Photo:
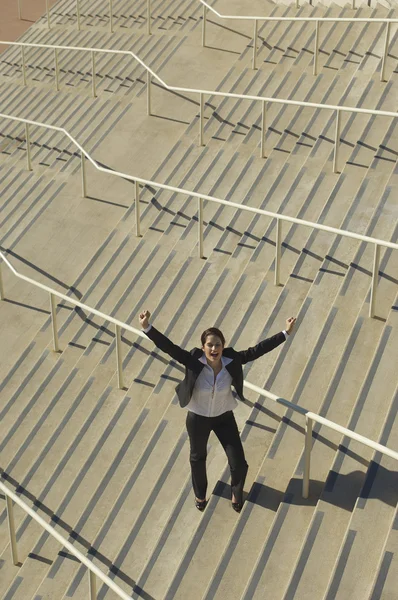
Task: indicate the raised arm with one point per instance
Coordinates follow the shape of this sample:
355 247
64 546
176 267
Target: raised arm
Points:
269 344
162 342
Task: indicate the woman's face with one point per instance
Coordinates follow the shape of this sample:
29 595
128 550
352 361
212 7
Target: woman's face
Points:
213 349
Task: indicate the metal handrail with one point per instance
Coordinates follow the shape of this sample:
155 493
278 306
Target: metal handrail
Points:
119 325
316 20
338 109
93 570
78 19
378 243
309 418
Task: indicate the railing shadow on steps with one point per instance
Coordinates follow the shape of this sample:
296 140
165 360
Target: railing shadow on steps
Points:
338 109
78 15
378 243
316 20
207 7
94 571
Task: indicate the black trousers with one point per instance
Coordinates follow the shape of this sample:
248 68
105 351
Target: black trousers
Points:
226 430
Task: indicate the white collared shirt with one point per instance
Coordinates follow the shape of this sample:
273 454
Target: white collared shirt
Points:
211 396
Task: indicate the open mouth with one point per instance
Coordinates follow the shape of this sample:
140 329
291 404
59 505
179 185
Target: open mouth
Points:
214 354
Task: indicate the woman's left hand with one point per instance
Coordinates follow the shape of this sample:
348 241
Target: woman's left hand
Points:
290 324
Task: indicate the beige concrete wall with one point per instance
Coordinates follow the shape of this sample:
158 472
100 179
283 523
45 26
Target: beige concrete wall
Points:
11 28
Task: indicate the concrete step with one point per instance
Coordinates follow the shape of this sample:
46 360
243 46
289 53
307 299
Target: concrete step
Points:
271 489
102 117
280 84
111 541
88 352
298 48
340 579
40 61
243 267
386 574
271 303
99 305
303 132
298 44
46 465
8 178
166 384
280 384
77 216
125 17
233 569
333 512
377 503
157 403
296 519
101 113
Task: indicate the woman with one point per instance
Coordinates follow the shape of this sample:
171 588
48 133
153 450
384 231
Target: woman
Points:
206 394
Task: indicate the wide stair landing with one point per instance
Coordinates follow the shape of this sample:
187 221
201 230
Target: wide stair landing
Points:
109 467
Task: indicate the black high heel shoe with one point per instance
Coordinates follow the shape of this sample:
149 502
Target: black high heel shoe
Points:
237 506
200 504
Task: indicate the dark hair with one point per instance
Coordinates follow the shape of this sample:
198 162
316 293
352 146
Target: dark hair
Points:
212 331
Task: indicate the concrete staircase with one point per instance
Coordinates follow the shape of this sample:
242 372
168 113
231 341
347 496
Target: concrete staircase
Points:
109 467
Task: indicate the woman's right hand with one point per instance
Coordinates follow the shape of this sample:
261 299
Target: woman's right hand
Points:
144 319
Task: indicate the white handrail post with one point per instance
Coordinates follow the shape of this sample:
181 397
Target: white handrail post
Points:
200 230
149 16
1 284
53 305
353 5
148 93
11 529
28 157
19 10
297 4
78 14
307 456
278 245
119 361
92 585
111 15
23 65
255 38
375 275
316 50
204 26
94 86
56 69
84 181
201 119
337 141
263 128
385 53
137 209
48 15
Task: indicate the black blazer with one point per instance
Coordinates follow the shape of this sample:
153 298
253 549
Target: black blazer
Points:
193 366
